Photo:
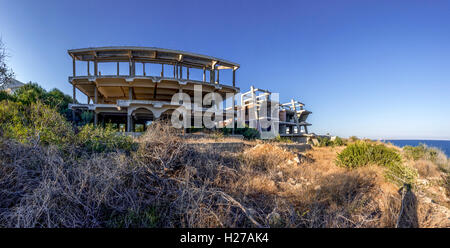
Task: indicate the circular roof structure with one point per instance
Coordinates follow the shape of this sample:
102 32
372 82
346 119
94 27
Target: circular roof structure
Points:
150 54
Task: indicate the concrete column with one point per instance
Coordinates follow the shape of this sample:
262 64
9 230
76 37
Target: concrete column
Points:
187 68
232 109
95 95
129 123
218 75
130 93
95 67
162 70
212 75
233 104
73 67
117 68
88 71
129 68
74 100
143 68
204 74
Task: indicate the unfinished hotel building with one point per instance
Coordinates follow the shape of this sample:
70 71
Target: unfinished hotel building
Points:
145 78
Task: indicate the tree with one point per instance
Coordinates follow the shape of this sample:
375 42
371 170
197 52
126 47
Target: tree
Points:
6 74
32 93
57 99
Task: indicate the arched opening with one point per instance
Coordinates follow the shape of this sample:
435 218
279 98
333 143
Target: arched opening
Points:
142 118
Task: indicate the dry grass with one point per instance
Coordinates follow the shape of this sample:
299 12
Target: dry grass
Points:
166 183
426 168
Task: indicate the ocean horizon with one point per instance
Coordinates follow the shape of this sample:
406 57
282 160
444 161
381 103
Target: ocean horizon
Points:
444 145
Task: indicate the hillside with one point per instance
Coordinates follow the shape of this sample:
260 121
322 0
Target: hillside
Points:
52 175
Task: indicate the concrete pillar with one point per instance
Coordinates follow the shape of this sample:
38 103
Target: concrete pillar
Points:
218 75
73 66
233 104
95 67
129 123
118 68
255 108
74 100
187 68
129 68
88 71
143 68
95 95
130 93
212 74
232 109
162 70
204 74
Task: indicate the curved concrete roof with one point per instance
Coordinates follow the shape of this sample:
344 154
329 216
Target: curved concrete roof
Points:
150 54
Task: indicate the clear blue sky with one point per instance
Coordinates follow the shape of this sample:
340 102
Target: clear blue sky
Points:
376 69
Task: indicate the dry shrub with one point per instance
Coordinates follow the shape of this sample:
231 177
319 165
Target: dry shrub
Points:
342 200
167 183
42 188
313 194
188 182
266 157
426 168
161 147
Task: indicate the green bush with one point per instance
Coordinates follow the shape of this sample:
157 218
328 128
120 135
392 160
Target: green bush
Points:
86 117
226 131
34 122
282 139
135 219
326 141
32 93
250 134
338 141
5 96
363 153
422 151
99 139
247 132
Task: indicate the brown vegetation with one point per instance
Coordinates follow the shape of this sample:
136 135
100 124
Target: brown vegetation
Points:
167 183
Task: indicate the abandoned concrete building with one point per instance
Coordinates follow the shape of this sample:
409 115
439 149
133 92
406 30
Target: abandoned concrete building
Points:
133 99
130 87
291 117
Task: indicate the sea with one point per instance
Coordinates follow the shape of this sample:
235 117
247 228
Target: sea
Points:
444 145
